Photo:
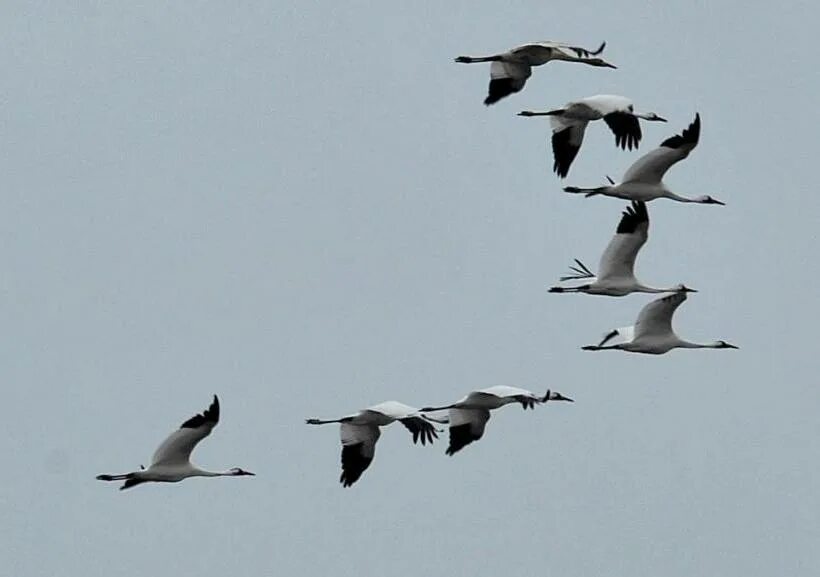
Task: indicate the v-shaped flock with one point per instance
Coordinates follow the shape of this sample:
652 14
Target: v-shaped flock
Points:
467 418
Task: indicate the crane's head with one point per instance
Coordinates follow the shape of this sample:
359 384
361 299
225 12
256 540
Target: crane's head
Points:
237 472
598 62
651 116
555 396
723 345
685 289
706 199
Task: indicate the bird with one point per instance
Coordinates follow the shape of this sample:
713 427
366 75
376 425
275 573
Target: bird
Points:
171 461
509 70
570 122
468 417
359 433
616 276
643 180
652 333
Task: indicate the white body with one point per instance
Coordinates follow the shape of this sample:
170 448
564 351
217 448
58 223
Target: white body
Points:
570 122
652 333
360 432
616 268
509 70
468 416
643 181
171 461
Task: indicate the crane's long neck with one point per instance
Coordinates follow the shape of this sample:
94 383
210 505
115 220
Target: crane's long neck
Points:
203 473
432 409
687 345
671 195
648 289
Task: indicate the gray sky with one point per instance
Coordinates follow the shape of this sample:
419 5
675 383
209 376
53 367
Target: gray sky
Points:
307 209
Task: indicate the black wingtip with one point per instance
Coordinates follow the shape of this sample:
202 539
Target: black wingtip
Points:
210 415
501 88
632 217
563 152
690 135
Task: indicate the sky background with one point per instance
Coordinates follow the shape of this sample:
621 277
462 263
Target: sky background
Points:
305 208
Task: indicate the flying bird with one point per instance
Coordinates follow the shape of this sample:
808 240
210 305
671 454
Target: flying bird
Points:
652 333
616 269
509 70
468 417
360 432
570 122
644 179
171 461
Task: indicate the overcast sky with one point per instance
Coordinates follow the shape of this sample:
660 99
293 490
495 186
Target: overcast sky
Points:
305 208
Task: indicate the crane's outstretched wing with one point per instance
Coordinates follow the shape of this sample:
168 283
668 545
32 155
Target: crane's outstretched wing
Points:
625 127
569 50
651 167
618 259
506 78
567 137
625 333
358 450
466 426
177 448
421 428
655 319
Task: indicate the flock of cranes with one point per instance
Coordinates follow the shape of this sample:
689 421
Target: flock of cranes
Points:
467 418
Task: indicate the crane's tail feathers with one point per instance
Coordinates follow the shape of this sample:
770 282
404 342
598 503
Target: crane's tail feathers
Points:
581 271
132 483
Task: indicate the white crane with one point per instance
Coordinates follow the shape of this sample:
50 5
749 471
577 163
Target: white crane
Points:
171 461
360 432
643 180
509 70
468 416
652 333
570 122
616 270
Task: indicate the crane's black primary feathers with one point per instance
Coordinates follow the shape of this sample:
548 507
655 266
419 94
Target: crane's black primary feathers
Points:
626 128
564 151
422 430
354 463
211 415
460 437
690 135
633 217
584 53
501 88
